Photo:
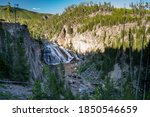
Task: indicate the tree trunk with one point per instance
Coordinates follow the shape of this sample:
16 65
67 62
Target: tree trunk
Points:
146 74
130 54
14 82
140 68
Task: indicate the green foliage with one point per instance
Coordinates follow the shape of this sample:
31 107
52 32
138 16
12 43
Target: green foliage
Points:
45 28
136 37
7 96
101 61
105 92
70 29
54 87
37 91
148 95
22 14
128 90
148 30
85 96
8 11
115 18
4 69
12 58
68 94
21 69
83 67
40 26
34 20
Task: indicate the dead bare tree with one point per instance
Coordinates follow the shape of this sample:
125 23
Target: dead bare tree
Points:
122 59
140 67
146 74
141 56
14 82
130 53
15 11
141 62
124 25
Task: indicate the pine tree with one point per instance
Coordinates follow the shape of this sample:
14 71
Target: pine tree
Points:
21 68
8 11
37 91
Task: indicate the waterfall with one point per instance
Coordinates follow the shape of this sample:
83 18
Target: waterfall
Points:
54 54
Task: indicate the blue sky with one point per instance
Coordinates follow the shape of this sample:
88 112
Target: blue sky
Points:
58 6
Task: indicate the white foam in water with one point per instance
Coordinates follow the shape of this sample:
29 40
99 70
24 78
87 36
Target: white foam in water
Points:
54 55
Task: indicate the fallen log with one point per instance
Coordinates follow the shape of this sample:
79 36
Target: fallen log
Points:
14 82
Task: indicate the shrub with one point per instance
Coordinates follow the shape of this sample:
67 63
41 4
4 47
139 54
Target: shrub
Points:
105 92
37 91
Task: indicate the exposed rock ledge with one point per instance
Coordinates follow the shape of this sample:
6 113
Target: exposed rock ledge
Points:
98 39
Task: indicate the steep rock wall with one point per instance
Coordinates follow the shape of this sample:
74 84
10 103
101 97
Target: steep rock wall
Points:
10 35
99 38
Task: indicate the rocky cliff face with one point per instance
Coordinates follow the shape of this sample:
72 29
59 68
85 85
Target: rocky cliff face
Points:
16 43
98 39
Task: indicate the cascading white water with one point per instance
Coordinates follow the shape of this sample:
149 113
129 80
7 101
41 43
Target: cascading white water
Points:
54 54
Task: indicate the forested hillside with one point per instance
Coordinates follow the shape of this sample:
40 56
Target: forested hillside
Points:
87 16
113 45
